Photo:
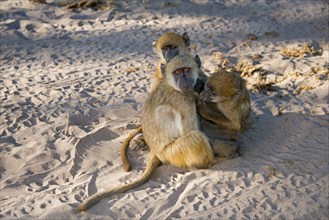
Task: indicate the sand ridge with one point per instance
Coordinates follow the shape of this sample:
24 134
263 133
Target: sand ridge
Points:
73 83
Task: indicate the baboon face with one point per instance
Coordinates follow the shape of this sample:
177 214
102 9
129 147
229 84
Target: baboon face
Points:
170 45
183 78
169 52
181 72
208 94
221 85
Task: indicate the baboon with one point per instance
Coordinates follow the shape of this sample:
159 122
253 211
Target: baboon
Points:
170 126
166 47
225 100
171 112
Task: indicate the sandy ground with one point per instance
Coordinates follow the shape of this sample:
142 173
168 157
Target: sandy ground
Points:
73 83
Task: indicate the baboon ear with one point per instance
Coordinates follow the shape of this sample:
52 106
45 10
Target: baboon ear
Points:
186 39
163 69
197 60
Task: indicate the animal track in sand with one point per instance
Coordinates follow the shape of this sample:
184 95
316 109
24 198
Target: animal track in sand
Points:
83 147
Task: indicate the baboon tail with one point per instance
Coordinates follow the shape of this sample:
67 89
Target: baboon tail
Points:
124 147
152 164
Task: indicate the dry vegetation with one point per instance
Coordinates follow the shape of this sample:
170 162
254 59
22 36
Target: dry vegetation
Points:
82 4
301 51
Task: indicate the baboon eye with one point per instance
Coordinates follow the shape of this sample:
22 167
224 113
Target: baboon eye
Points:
211 89
169 47
178 71
213 92
186 69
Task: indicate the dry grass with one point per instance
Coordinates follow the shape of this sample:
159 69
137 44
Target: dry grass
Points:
83 4
301 51
131 69
302 88
38 1
247 69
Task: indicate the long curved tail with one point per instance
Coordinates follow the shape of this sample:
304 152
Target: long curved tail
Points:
152 164
124 147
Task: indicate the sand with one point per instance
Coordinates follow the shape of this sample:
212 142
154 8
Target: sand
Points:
73 84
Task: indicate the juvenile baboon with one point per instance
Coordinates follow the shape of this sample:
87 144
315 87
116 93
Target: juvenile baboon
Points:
225 100
170 127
